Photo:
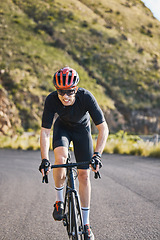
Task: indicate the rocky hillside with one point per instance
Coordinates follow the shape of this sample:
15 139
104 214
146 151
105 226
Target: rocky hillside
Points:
114 45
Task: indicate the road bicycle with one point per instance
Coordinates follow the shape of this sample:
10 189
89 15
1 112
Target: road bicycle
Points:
72 218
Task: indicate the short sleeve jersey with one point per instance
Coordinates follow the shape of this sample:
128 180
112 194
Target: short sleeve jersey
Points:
79 113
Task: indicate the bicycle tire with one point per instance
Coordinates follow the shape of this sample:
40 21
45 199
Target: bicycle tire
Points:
79 220
68 213
75 226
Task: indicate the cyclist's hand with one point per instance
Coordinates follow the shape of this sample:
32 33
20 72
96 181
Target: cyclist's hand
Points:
44 168
95 162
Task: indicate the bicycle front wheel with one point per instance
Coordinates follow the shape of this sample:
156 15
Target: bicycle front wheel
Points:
76 225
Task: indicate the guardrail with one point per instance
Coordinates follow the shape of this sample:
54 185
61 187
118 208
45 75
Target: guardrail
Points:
151 138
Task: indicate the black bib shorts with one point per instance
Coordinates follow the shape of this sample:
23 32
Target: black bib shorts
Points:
79 135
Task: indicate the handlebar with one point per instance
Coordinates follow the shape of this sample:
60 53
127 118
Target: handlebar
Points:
68 165
71 165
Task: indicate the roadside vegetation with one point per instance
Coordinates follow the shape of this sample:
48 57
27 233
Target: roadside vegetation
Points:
119 143
123 143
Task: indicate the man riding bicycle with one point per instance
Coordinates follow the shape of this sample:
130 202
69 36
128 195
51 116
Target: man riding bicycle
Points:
74 106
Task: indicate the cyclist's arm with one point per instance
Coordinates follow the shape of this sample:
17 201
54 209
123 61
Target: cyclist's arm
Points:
45 142
101 140
102 136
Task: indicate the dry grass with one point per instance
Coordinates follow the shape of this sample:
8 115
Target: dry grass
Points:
116 144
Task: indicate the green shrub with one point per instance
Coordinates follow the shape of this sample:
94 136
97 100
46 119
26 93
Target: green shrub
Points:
116 149
120 148
30 148
112 40
85 24
136 151
17 20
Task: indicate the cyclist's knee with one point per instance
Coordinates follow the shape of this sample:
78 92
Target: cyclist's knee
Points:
60 160
83 175
61 155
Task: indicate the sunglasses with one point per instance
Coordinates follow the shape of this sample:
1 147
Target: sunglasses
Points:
68 92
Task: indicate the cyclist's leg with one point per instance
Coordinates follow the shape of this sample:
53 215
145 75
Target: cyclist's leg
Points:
60 146
61 154
61 140
84 187
83 149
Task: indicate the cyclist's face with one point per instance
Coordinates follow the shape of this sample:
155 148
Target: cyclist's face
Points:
67 97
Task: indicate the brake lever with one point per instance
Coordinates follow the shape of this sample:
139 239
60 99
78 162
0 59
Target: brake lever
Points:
97 175
45 177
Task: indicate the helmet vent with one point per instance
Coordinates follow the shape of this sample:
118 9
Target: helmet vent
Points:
69 77
75 78
58 77
64 79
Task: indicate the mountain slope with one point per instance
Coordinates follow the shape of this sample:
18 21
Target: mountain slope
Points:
114 46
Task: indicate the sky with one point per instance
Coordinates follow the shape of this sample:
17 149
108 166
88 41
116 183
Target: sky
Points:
154 6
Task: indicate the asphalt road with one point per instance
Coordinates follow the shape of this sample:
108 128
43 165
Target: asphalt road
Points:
125 202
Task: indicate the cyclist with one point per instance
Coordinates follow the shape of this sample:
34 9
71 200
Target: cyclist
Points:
74 106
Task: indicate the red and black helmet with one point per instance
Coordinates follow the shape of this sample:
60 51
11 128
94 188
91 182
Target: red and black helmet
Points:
65 78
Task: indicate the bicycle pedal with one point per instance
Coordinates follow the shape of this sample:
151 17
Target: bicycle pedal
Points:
65 220
81 231
64 223
80 228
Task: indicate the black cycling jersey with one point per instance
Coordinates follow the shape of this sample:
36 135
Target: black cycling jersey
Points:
77 114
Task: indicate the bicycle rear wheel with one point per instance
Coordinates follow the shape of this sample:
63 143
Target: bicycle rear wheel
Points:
75 218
